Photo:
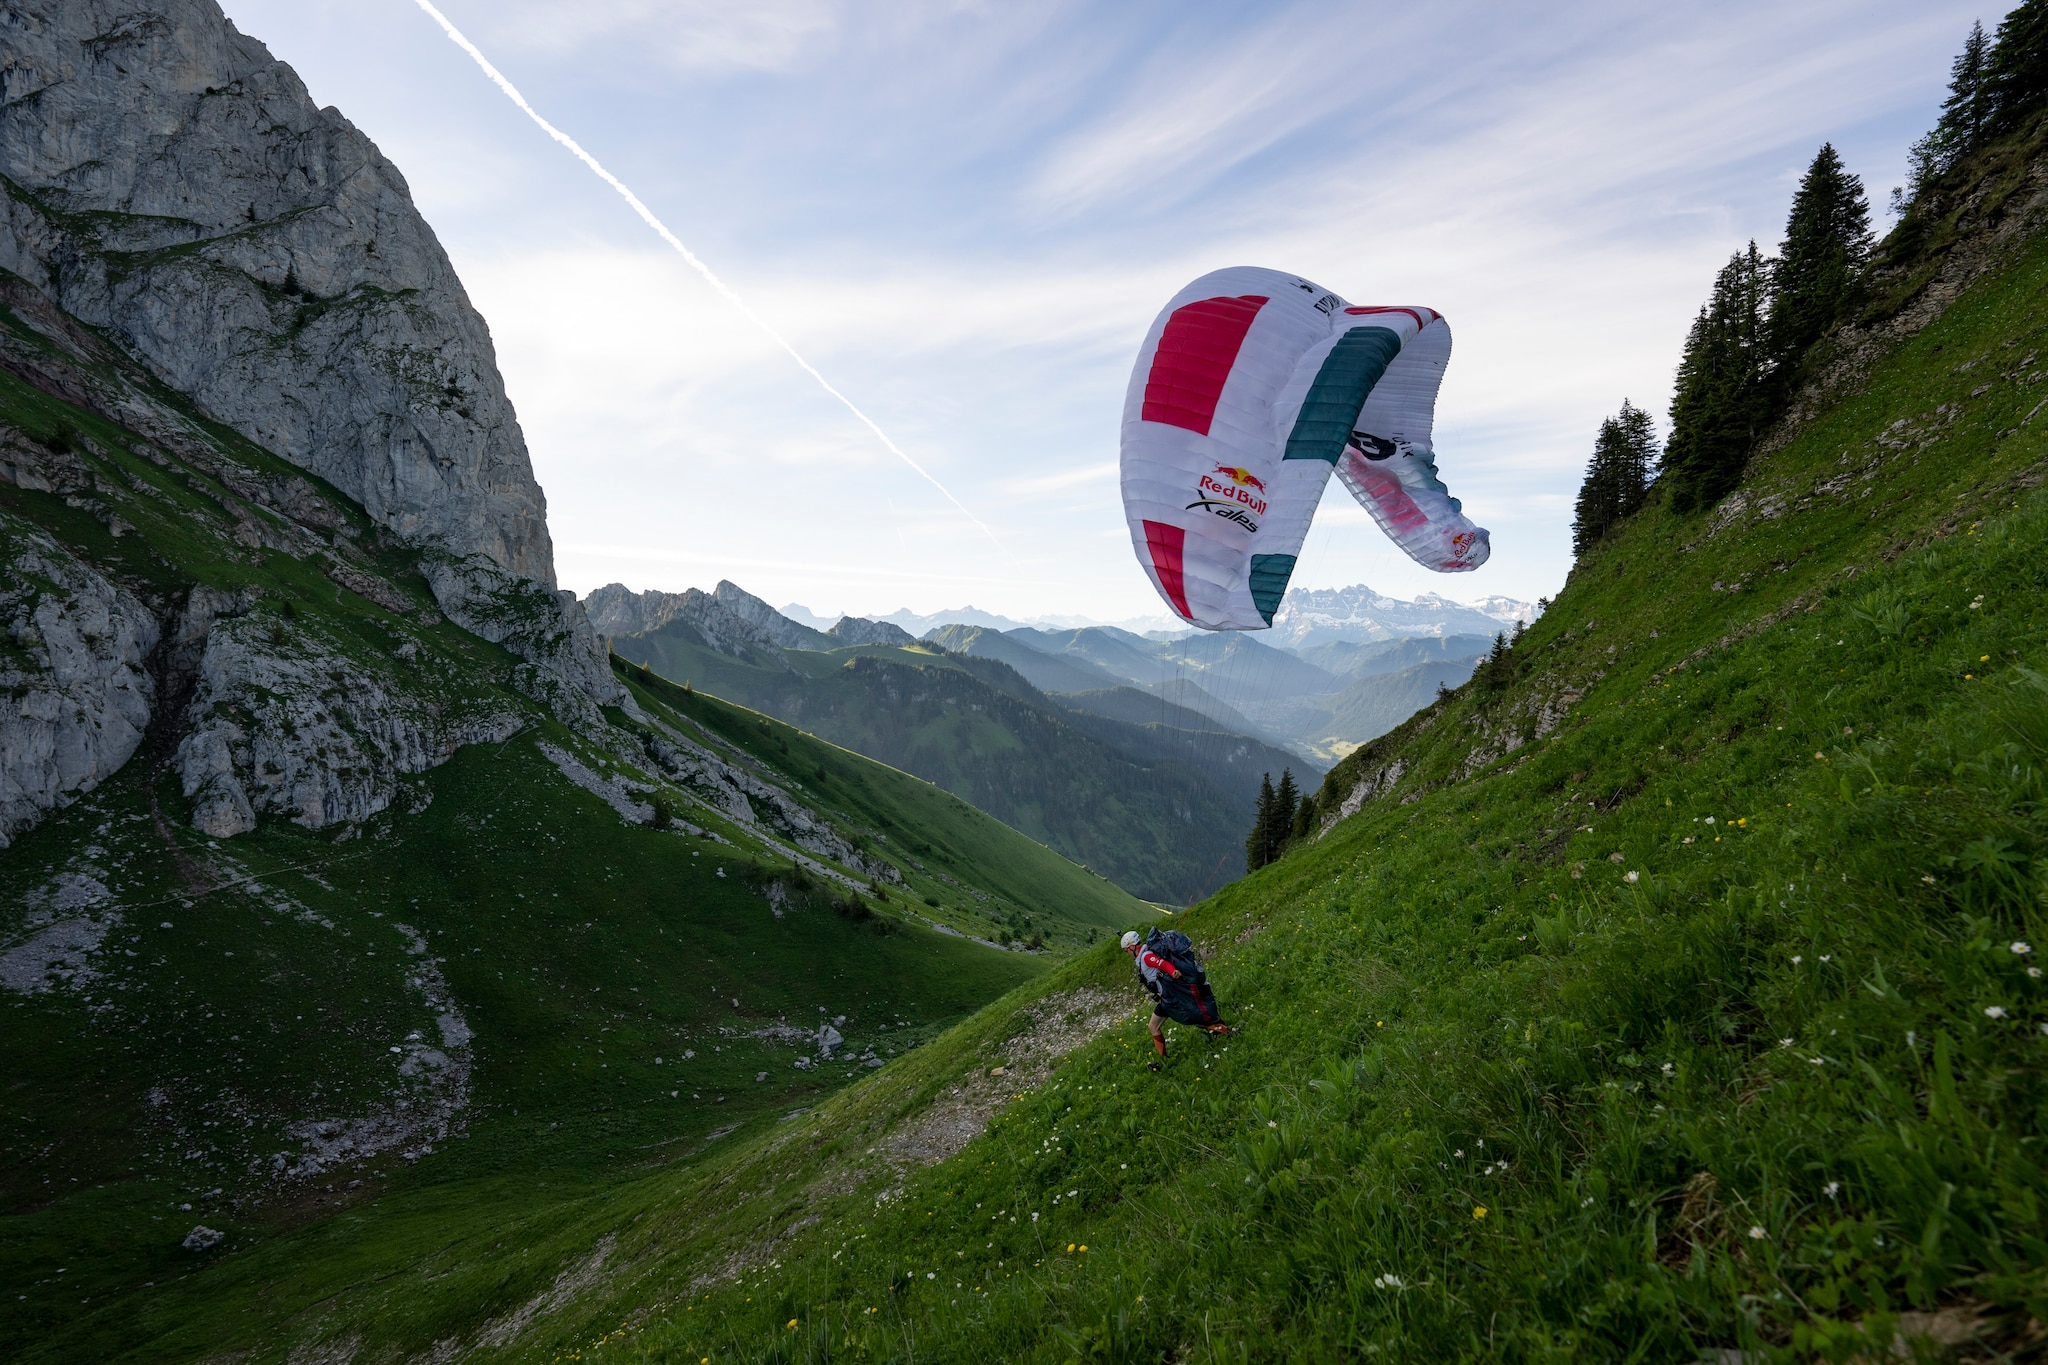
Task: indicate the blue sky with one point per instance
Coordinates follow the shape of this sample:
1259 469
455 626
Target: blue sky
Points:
966 214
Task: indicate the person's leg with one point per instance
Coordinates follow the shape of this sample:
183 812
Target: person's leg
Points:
1158 1034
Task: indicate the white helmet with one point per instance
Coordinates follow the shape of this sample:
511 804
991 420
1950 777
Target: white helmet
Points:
1130 939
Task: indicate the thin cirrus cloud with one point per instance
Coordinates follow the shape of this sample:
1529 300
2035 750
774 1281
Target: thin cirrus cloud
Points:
685 35
966 214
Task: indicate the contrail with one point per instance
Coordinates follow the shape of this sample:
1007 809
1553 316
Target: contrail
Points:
455 36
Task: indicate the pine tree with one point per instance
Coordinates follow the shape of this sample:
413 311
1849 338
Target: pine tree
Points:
1286 797
1598 507
1723 396
1255 849
1967 110
2016 72
1827 244
1964 116
1617 477
1638 435
1305 817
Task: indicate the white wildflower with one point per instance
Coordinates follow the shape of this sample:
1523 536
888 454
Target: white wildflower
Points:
1757 1234
1832 1189
1635 876
1994 1011
2022 948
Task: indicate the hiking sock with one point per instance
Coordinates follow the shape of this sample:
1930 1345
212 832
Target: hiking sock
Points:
1159 1045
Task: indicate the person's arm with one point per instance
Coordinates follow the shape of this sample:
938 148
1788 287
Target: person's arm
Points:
1158 963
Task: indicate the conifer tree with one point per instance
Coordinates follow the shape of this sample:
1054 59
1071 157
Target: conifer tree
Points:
1617 477
1967 110
1827 243
1286 797
1722 398
1255 851
1964 116
2016 72
1305 817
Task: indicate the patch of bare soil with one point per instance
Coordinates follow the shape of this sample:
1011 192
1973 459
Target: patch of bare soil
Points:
960 1113
577 1279
1060 1023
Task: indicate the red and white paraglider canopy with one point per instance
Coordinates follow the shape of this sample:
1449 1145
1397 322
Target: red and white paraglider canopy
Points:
1252 386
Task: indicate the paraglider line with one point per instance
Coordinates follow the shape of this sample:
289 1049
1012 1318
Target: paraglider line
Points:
455 35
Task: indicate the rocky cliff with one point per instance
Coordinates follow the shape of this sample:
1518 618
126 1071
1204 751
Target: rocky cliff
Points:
202 278
171 183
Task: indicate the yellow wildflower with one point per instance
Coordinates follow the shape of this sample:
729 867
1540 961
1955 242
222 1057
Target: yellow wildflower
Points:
1479 1211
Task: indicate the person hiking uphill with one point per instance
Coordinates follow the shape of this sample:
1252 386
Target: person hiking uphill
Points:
1174 978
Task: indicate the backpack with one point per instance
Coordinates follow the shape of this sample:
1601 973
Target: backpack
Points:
1178 949
1187 998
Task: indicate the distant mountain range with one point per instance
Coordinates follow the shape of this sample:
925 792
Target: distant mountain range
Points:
1340 667
1313 616
1154 795
1308 616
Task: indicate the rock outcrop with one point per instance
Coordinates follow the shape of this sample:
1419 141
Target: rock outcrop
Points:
616 609
621 611
75 692
728 616
858 630
285 721
171 183
777 628
567 665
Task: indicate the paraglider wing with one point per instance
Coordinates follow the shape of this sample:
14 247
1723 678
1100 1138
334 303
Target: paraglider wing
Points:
1216 515
1249 390
1390 466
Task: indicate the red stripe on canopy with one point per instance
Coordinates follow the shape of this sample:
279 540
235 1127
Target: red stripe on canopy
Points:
1196 352
1167 544
1433 314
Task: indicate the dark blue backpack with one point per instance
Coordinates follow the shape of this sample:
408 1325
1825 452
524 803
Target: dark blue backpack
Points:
1178 949
1186 998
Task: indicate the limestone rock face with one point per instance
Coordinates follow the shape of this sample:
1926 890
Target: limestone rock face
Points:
175 186
567 668
75 695
616 609
779 629
284 721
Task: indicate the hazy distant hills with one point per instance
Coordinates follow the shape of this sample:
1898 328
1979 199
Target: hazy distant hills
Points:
1341 666
1154 795
1320 702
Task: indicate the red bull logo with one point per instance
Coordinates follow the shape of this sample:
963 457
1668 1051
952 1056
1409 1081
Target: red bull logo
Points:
1233 486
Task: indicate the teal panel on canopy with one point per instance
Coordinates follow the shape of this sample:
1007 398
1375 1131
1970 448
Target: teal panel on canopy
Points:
1269 582
1353 366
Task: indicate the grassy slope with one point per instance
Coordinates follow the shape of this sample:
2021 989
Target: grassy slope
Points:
1495 1099
1151 807
1029 885
149 1095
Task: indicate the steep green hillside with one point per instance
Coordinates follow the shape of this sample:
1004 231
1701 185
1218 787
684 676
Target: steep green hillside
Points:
1378 702
1157 808
399 1063
1678 994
